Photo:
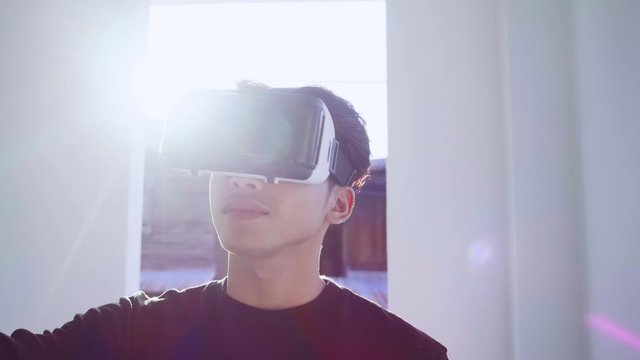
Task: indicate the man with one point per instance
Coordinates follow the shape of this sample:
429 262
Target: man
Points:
273 304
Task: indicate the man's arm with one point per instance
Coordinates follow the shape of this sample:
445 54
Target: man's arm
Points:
100 333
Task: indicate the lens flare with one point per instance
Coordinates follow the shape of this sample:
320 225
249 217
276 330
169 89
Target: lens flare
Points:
607 327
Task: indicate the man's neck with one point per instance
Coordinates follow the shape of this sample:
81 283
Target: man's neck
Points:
280 281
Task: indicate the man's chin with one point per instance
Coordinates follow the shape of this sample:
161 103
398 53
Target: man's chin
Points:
249 250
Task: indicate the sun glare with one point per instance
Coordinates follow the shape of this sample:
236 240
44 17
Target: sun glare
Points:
214 46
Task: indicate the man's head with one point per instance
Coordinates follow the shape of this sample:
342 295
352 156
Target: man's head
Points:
256 218
348 124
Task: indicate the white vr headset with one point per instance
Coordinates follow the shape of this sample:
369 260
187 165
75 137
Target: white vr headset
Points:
274 136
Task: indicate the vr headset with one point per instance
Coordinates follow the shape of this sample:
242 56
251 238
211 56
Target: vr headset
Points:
273 136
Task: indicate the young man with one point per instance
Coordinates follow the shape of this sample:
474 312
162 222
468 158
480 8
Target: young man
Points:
273 304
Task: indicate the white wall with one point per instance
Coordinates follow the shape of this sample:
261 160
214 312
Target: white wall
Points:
608 68
68 172
447 204
513 164
547 244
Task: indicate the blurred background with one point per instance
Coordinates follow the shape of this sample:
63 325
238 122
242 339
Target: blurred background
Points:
504 215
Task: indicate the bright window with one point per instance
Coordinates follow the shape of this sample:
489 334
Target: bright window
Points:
337 44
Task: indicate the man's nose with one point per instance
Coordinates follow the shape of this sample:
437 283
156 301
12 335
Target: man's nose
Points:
245 183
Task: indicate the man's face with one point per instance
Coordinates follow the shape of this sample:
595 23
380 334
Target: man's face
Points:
254 218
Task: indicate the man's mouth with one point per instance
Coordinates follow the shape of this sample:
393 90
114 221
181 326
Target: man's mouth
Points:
245 208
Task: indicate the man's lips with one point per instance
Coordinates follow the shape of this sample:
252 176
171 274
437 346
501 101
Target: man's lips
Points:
245 207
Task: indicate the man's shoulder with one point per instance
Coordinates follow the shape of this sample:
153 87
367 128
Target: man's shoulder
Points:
175 301
373 318
194 293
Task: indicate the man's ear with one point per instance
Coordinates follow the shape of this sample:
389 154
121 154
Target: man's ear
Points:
341 206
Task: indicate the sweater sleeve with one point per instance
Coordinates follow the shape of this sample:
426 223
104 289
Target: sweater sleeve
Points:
104 332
